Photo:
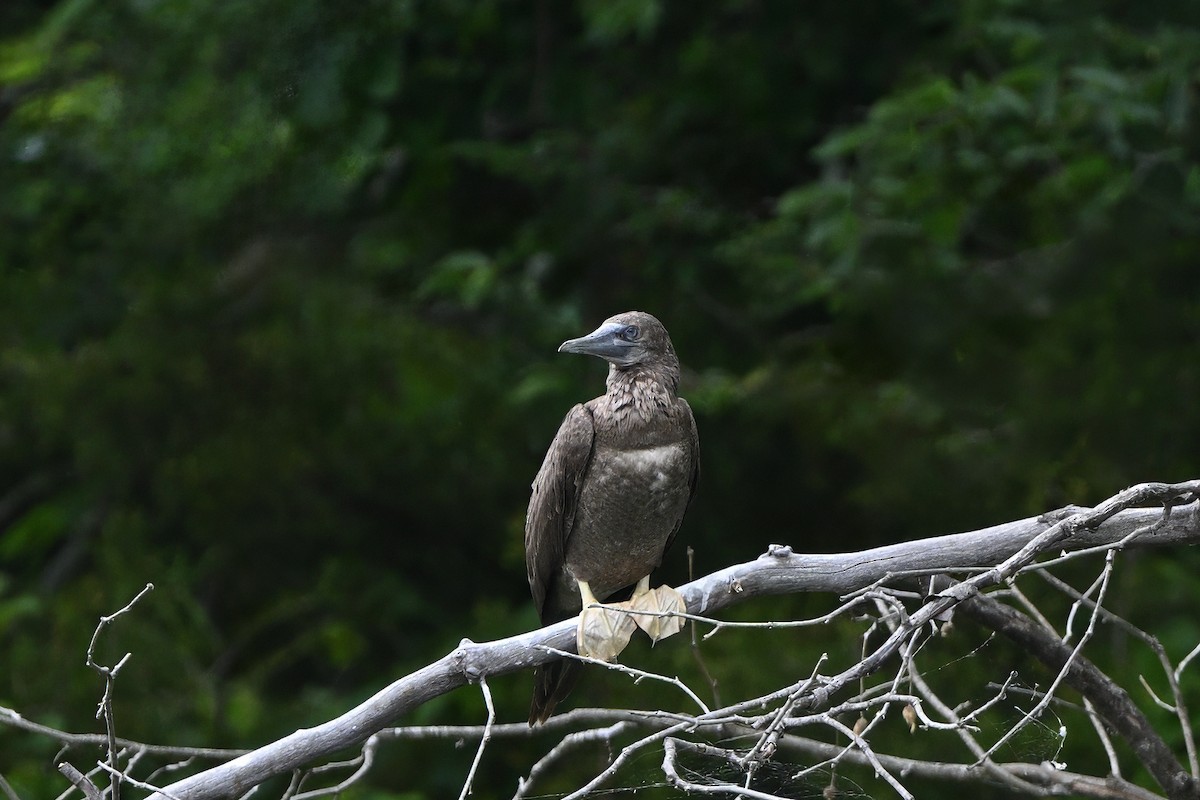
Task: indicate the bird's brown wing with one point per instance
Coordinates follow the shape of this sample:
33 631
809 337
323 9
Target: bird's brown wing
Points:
552 507
694 449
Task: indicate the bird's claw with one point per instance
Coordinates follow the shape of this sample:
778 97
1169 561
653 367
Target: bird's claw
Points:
662 600
603 632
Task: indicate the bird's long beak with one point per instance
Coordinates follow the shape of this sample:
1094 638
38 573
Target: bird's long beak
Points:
602 342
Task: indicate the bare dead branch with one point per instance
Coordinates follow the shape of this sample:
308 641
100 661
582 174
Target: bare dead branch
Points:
12 719
109 674
1009 548
1110 699
118 777
671 747
569 743
1179 708
1101 585
80 781
362 765
1040 778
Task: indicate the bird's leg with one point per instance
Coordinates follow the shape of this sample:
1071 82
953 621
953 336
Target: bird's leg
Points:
603 631
662 599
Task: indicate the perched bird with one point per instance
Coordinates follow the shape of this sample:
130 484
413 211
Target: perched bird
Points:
609 499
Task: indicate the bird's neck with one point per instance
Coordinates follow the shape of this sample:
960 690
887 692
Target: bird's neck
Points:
642 390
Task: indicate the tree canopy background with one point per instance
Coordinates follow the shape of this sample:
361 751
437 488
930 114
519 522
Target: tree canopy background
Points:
281 285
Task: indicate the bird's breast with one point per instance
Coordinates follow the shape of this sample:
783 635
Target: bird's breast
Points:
631 501
652 467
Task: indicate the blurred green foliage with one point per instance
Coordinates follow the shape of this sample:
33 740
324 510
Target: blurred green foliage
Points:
281 284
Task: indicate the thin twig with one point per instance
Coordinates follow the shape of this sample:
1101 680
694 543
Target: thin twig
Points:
627 752
1111 701
1041 705
670 748
765 746
134 781
364 761
80 781
1187 660
1040 779
1179 708
483 741
865 748
293 785
1030 607
1114 763
105 708
637 674
964 729
11 718
66 793
1168 506
709 678
565 745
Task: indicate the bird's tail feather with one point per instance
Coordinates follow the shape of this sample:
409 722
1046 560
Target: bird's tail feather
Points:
551 683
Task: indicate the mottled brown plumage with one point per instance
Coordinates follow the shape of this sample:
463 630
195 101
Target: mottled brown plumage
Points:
614 486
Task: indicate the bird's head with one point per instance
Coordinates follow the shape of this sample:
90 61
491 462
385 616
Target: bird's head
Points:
632 339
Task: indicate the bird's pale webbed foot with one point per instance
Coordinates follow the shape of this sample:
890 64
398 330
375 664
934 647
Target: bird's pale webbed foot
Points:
660 600
604 631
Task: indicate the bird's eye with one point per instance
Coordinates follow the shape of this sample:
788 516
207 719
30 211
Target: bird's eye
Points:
630 333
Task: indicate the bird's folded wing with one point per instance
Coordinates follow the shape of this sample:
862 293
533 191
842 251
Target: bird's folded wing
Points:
694 449
555 497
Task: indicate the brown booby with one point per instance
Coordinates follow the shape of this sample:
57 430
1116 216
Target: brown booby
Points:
609 499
